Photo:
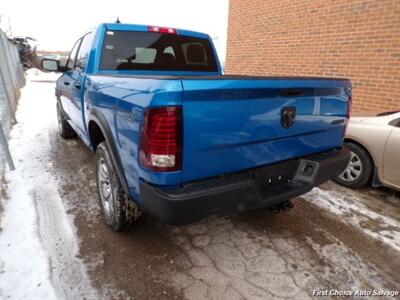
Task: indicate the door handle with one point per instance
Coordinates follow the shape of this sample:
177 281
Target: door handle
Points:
66 83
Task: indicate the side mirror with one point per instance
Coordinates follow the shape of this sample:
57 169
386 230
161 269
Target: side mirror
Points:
50 65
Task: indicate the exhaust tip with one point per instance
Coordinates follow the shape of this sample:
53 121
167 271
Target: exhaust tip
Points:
287 205
274 209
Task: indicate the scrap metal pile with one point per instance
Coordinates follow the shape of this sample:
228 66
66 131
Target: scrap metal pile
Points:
27 50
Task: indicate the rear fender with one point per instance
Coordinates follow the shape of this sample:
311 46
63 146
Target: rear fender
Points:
97 117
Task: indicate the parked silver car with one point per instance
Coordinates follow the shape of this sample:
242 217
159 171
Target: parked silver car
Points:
374 143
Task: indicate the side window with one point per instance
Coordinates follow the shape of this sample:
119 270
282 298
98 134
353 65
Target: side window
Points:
395 122
144 55
169 50
194 54
83 54
72 55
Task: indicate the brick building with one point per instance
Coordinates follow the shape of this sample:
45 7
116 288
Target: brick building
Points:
358 39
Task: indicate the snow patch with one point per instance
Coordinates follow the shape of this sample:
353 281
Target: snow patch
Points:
346 264
39 249
352 211
37 75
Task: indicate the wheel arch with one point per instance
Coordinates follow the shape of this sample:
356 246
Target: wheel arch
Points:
99 131
360 144
96 134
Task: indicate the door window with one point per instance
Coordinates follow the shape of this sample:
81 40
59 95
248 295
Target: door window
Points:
395 122
72 55
83 53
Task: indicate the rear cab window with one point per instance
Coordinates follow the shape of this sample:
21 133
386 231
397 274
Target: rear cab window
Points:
136 50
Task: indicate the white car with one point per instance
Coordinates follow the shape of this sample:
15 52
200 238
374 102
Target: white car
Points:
374 143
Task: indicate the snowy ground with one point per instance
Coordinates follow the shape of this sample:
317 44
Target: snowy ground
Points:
54 245
350 209
39 249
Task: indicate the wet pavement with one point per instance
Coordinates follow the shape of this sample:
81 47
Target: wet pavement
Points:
247 256
333 239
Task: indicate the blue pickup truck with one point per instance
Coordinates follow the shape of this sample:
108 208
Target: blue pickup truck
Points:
176 138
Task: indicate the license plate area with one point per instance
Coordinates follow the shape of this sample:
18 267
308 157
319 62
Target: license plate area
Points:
276 175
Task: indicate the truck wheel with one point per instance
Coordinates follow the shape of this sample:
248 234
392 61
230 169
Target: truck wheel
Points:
358 172
65 130
119 212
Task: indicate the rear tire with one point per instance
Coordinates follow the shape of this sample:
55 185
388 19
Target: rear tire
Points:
65 130
359 171
119 212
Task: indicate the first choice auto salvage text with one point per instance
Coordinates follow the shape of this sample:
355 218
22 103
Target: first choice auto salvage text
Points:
356 293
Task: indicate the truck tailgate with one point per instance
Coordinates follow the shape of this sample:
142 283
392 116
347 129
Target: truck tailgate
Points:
233 123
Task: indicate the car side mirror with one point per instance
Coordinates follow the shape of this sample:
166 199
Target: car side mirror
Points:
50 65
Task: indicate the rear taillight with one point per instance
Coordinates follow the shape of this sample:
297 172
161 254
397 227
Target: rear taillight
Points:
162 29
161 144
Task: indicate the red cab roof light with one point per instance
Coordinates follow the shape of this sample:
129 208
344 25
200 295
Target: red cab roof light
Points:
162 29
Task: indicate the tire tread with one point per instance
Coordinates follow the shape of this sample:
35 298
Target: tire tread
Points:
126 212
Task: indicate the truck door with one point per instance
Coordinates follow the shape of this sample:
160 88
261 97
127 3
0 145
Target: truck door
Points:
78 78
391 167
64 83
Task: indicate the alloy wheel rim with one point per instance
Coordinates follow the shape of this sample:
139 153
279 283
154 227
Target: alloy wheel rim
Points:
353 170
106 194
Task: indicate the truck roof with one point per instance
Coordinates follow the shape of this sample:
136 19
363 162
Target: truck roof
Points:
138 27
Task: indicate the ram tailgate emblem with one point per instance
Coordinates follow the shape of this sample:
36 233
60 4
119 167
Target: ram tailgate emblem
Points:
288 116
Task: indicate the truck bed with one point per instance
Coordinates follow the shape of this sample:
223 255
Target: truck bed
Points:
230 123
225 77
